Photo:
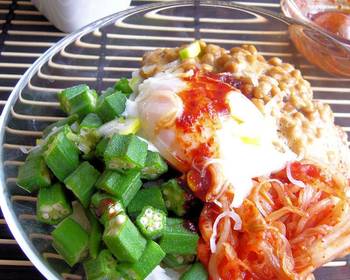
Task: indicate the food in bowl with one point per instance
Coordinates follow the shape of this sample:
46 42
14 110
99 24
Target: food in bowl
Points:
207 163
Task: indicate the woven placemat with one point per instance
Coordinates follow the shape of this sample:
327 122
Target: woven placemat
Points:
24 35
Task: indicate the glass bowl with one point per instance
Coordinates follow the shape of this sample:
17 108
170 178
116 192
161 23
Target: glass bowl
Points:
328 56
111 48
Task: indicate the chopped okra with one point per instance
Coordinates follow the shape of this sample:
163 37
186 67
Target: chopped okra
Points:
52 205
61 155
95 235
125 152
59 124
81 182
151 222
151 257
176 198
79 99
111 106
176 233
91 120
105 207
196 272
154 166
124 186
33 174
123 239
151 196
178 261
103 267
101 147
71 241
123 86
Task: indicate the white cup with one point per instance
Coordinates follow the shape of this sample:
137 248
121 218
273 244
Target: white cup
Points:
70 15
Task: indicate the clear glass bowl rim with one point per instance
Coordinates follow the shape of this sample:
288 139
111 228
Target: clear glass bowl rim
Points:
6 207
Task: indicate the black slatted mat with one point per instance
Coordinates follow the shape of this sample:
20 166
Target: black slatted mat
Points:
24 35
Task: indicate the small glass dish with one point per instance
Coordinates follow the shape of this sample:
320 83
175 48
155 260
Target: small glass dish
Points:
327 43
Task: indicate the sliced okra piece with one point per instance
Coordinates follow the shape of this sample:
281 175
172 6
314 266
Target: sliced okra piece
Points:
81 182
125 152
123 86
105 207
111 106
91 120
151 196
154 166
33 174
71 241
95 235
196 272
123 239
79 215
79 100
178 261
123 186
52 205
151 257
107 92
177 239
88 138
88 133
151 222
61 155
101 147
176 198
61 123
100 268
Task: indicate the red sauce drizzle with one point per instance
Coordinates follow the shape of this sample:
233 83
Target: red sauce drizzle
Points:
204 101
204 97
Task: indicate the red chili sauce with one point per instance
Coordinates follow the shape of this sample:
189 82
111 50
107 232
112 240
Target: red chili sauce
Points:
204 101
336 22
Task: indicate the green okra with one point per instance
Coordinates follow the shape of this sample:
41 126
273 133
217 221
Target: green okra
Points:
105 207
81 182
59 124
178 261
71 241
123 239
151 196
33 174
101 268
52 205
154 167
123 86
61 155
79 215
91 120
177 239
95 235
176 198
123 186
125 152
151 222
111 106
79 100
151 257
101 147
196 272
